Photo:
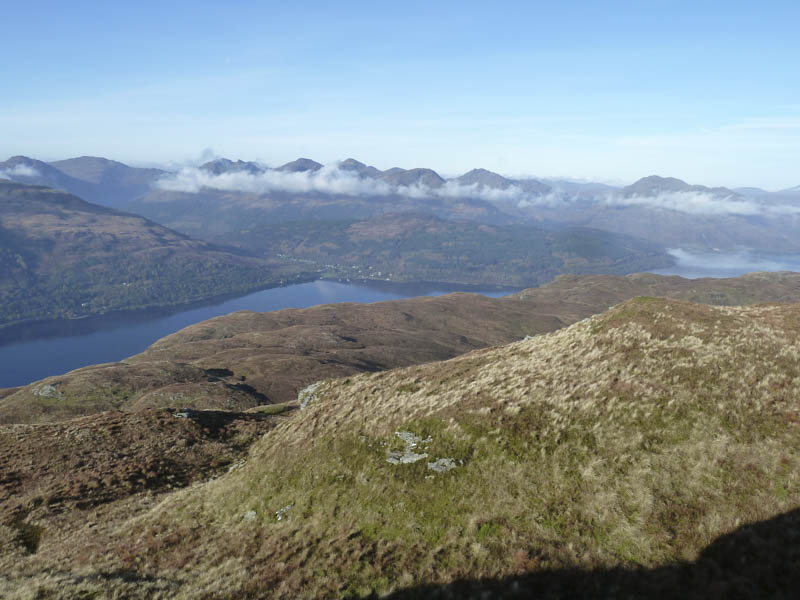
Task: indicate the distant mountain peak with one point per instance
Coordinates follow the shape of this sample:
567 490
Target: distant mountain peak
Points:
483 177
409 177
89 159
111 175
225 165
653 185
661 183
362 170
21 159
348 163
300 165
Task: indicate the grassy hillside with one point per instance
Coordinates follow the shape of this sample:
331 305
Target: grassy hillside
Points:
248 359
625 445
63 257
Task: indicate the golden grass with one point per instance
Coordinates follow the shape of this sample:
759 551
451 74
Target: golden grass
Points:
632 438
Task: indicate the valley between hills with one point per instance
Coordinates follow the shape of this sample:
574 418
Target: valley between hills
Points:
608 433
89 235
597 436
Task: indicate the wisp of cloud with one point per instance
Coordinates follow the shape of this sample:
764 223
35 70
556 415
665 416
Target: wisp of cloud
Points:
20 171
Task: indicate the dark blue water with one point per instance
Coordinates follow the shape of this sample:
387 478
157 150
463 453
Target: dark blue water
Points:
35 351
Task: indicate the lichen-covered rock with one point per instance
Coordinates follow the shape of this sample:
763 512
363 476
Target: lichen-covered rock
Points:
250 515
306 395
407 455
442 465
47 391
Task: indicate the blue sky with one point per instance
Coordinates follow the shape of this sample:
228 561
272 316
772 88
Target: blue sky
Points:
705 91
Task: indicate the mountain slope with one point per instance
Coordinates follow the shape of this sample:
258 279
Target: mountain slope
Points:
627 441
211 212
23 169
420 247
99 180
63 257
102 171
482 177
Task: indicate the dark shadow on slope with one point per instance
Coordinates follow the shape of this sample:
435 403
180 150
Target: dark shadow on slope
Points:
761 560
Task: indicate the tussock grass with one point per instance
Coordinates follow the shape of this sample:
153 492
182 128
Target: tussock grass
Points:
632 438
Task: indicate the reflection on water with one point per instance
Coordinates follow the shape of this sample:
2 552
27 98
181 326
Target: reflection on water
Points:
727 264
31 352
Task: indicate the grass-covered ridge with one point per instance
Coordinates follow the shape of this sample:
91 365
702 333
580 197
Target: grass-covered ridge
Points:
634 438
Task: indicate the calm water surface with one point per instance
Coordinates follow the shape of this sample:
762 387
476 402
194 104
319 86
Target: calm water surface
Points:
37 351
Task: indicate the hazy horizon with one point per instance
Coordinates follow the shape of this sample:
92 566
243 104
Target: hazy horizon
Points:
209 155
611 92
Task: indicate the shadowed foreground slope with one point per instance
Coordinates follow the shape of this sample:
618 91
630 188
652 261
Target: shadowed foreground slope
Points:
632 440
758 560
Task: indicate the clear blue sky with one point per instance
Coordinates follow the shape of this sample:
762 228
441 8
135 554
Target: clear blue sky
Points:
612 90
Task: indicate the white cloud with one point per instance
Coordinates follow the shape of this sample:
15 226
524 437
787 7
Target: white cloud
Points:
702 203
453 189
328 180
17 171
332 180
698 203
550 200
726 264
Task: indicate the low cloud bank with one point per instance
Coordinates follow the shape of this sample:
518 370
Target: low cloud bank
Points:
327 180
727 264
19 171
702 203
333 180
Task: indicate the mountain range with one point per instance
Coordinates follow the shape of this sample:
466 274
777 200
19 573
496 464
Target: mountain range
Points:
352 220
606 434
